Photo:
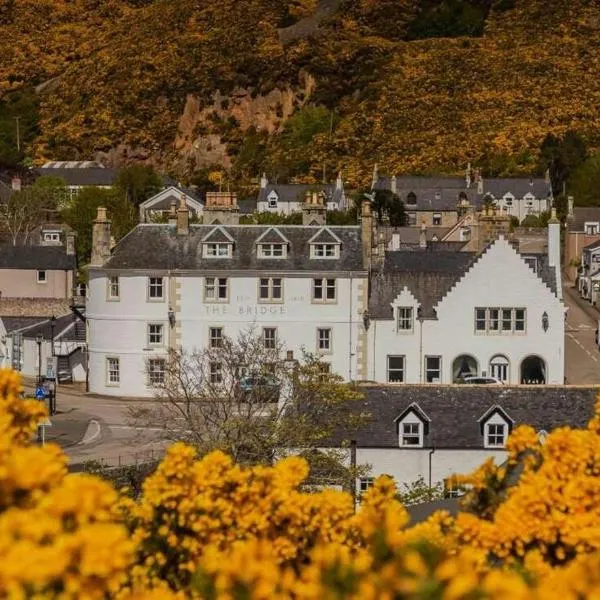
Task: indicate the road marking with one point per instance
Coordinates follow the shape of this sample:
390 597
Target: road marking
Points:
137 428
92 432
594 358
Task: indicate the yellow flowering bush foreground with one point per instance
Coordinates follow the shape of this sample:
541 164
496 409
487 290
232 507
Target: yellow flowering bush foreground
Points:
209 529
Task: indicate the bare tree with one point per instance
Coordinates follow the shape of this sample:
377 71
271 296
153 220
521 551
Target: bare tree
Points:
242 397
25 211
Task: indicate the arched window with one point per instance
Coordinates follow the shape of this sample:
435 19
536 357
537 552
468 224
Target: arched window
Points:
411 198
464 366
533 370
500 368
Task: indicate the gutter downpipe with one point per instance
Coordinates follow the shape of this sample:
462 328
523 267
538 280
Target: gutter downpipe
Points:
421 350
350 331
431 452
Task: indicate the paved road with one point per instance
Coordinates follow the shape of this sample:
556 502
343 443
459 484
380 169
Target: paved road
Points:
581 354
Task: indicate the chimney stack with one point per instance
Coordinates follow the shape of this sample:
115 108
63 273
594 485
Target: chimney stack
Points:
375 177
70 243
570 205
554 240
263 181
339 184
221 208
381 248
314 211
423 236
468 176
16 184
100 238
183 217
394 185
395 241
366 231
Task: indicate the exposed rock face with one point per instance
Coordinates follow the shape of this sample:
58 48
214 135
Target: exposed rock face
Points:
198 139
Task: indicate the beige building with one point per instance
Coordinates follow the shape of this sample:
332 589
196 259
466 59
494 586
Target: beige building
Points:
583 229
37 271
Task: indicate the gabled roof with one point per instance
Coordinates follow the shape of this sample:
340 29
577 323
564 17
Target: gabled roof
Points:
413 408
158 247
583 215
428 273
592 246
218 235
164 198
296 192
492 410
325 236
43 258
80 177
272 236
454 411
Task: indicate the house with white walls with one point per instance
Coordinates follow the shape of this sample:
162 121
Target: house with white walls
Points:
432 432
185 286
438 316
288 198
157 207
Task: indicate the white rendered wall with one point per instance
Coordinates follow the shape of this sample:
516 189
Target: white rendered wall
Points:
119 328
500 278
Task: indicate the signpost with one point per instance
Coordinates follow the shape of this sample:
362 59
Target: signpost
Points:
42 430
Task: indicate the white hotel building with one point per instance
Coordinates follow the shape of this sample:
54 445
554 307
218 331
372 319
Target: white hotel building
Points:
416 314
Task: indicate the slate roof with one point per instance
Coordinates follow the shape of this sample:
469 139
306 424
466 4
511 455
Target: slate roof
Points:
411 235
582 215
16 323
592 246
429 274
80 176
296 192
454 411
545 272
442 193
42 326
48 258
158 247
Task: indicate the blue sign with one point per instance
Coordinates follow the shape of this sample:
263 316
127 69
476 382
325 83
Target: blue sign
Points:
40 393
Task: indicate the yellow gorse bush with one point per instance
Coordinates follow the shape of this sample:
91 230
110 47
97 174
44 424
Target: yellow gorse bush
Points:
210 529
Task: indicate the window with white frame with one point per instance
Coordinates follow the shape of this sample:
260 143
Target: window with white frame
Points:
155 334
278 250
156 290
114 291
499 368
323 339
591 228
437 219
156 371
324 250
270 289
324 290
495 435
217 250
411 433
216 372
464 234
42 277
216 289
215 337
269 335
51 236
500 320
272 199
113 370
364 484
395 369
404 318
433 369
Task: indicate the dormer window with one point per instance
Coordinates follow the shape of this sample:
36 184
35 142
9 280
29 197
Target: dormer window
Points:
405 319
272 199
272 250
411 434
591 228
217 250
412 426
324 251
495 435
495 427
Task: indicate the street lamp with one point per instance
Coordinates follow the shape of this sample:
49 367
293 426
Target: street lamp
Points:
39 338
52 325
545 321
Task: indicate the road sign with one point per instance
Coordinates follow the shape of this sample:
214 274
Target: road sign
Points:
40 393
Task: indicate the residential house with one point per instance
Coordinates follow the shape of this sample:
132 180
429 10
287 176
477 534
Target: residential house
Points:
582 229
180 285
438 316
432 432
588 282
157 207
436 201
40 271
289 198
79 174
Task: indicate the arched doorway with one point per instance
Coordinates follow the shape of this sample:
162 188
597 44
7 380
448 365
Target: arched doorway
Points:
500 368
533 370
463 366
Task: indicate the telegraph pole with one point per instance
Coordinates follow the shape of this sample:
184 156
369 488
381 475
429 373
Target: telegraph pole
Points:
18 135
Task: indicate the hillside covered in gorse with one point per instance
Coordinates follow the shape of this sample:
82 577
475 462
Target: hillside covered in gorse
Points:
299 87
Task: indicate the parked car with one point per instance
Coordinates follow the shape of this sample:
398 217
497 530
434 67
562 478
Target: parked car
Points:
264 386
481 380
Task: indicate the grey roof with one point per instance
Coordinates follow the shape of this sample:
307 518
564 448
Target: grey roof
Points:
45 258
429 274
158 247
16 323
545 272
80 177
247 206
442 193
582 215
591 246
455 410
411 235
296 192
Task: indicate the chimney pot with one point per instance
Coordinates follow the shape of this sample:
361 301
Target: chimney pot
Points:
101 238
